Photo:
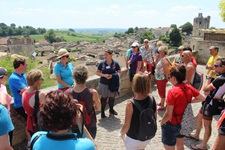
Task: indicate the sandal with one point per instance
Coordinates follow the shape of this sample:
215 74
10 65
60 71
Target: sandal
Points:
160 108
190 136
195 147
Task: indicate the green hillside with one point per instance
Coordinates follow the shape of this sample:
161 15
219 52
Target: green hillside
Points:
72 36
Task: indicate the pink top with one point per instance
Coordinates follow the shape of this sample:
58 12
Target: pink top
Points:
8 97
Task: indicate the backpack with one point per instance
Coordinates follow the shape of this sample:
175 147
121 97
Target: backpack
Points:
86 115
198 80
147 120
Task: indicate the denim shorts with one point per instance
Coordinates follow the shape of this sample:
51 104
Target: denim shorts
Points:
169 133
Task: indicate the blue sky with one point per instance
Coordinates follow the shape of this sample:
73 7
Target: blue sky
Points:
107 13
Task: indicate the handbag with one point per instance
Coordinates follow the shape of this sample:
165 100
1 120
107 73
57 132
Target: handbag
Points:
188 123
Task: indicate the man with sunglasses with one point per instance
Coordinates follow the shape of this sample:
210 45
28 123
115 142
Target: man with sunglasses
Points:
213 104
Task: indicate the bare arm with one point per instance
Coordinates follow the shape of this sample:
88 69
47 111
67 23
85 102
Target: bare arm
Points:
139 63
60 81
165 65
42 96
3 99
168 114
127 66
189 73
97 103
4 142
199 98
128 116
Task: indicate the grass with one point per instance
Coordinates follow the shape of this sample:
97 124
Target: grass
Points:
7 63
72 36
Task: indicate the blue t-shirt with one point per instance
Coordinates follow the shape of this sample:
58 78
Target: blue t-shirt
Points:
44 143
108 69
128 53
5 121
16 83
66 73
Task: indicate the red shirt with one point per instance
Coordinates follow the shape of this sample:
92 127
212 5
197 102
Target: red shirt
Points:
177 98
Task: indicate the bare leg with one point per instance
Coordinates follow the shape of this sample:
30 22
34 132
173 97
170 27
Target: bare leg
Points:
207 134
169 147
199 126
219 143
180 143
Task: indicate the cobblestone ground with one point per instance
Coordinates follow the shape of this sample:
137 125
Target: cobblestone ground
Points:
108 128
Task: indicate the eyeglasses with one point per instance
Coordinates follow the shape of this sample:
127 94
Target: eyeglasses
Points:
182 55
67 56
216 66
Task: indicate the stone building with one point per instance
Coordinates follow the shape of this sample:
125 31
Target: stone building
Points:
200 23
21 46
203 38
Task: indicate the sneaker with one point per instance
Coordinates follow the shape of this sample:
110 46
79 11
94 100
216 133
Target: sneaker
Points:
113 112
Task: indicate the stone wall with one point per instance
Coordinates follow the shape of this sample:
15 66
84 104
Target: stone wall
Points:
202 47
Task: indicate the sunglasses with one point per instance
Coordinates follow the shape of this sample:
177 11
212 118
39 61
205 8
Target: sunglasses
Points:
67 56
3 75
216 66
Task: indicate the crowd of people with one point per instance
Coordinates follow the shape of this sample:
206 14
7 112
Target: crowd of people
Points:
66 118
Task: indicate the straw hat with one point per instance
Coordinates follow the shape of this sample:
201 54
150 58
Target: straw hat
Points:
62 52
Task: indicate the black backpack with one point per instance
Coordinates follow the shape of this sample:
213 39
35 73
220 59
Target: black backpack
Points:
147 120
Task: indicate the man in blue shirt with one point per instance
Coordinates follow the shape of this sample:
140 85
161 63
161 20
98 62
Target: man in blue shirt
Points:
18 84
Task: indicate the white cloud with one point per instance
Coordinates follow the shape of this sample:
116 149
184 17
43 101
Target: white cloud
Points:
71 12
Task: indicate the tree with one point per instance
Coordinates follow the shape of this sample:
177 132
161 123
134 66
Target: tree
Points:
50 36
187 27
173 26
72 30
130 30
146 35
175 37
222 8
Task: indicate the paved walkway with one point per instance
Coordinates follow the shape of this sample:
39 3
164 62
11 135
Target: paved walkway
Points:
109 128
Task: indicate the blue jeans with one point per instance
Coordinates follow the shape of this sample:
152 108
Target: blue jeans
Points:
169 133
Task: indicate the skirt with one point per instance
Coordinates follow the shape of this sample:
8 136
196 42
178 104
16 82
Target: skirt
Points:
104 91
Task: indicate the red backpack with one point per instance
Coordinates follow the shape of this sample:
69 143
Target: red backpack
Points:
86 115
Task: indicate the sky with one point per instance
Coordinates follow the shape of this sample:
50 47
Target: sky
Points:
107 13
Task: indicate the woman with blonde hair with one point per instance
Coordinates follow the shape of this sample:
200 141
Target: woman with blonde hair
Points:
130 128
34 81
161 75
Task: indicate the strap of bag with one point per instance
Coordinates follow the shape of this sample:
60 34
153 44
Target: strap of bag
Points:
36 106
187 104
139 106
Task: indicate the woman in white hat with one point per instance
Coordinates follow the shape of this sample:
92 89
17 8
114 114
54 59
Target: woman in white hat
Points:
64 70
